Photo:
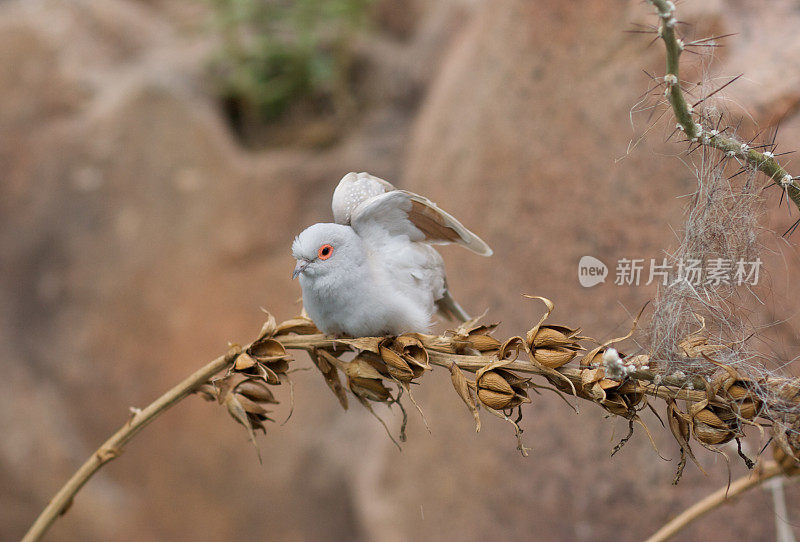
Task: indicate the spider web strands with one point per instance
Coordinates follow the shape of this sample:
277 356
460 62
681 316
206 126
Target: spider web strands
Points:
685 115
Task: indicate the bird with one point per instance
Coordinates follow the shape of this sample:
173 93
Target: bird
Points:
374 271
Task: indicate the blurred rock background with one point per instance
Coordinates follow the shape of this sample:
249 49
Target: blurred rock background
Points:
142 229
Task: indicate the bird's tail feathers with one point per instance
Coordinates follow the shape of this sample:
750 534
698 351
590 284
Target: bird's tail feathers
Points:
450 309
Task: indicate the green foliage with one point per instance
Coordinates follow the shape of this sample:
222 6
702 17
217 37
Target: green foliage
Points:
276 52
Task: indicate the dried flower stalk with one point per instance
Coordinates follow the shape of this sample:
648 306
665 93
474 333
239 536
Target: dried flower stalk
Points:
723 495
717 410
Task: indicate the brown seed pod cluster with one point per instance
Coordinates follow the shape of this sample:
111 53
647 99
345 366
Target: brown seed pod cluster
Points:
245 397
615 397
382 369
402 358
729 404
246 388
379 362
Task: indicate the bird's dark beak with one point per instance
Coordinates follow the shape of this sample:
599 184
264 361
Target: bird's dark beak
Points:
300 267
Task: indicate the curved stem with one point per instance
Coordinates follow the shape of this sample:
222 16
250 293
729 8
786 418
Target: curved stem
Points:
719 497
113 447
440 351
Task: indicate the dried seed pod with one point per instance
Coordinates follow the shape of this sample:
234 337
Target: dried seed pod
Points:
405 357
743 402
710 418
375 361
471 336
678 425
729 384
396 365
483 343
325 362
616 404
244 396
265 372
207 391
590 376
227 384
360 367
491 380
413 352
267 349
472 328
793 390
494 399
552 335
461 386
299 326
711 435
257 391
501 389
494 391
514 379
553 357
250 406
243 362
280 366
737 392
710 428
369 388
746 409
532 332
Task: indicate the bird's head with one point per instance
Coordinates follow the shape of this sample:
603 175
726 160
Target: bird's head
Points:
322 248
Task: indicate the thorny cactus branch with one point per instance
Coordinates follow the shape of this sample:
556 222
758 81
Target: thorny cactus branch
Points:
696 132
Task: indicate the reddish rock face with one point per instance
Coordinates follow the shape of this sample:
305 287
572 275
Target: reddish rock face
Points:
139 237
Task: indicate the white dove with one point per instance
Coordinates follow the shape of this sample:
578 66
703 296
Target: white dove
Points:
374 272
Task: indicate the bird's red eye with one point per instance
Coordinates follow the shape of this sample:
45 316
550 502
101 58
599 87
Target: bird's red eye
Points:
325 252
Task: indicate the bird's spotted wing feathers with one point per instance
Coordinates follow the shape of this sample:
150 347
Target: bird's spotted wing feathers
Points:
354 189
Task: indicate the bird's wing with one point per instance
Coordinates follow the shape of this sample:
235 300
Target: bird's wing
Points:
412 270
399 212
416 271
352 190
